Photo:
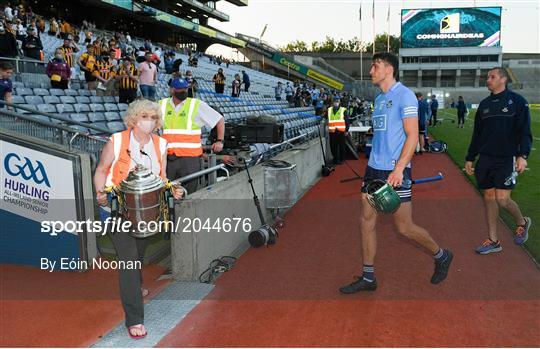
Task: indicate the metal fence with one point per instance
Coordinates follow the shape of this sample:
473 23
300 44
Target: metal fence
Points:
29 71
58 132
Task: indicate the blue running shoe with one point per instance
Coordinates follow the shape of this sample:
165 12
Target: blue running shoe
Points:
522 232
489 246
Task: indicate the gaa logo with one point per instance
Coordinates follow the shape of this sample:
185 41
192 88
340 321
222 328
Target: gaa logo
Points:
26 169
450 23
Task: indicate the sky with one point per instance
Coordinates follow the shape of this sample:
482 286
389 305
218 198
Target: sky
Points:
313 20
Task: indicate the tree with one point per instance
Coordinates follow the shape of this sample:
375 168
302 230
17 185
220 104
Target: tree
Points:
381 43
351 45
296 46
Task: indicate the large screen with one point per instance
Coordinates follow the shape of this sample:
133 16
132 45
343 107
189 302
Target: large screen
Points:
455 27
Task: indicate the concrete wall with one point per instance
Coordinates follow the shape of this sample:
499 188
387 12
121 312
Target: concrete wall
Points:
193 251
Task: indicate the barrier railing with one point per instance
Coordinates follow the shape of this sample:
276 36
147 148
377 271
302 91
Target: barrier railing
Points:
58 131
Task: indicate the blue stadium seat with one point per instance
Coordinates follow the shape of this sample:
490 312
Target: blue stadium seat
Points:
102 124
96 117
68 99
56 92
35 100
112 116
51 99
110 107
81 108
47 108
41 92
122 106
24 91
95 107
96 99
109 99
70 92
82 99
17 99
79 117
18 84
65 108
116 126
83 92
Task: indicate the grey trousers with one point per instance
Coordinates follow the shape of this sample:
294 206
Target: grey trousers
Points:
182 166
129 248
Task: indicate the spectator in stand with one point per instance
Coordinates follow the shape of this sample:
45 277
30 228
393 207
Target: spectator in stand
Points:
156 60
87 62
147 45
236 86
193 61
289 92
6 86
319 102
278 91
148 77
298 101
40 24
193 85
8 44
104 71
245 81
20 30
88 37
53 27
177 64
219 81
32 45
127 74
68 50
8 12
65 30
169 62
58 71
128 38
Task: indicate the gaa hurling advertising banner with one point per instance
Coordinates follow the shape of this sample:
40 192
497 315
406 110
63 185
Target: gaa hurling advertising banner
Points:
457 27
35 187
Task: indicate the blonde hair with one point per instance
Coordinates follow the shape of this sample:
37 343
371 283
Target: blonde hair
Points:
140 106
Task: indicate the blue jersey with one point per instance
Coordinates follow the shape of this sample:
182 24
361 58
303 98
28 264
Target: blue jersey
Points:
388 132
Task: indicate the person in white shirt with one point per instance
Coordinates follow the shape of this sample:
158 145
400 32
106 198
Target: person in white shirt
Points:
8 12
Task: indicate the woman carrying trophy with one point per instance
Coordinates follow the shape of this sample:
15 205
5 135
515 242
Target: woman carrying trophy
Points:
132 169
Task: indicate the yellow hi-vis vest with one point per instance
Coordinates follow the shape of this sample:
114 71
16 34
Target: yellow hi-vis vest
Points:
336 122
180 129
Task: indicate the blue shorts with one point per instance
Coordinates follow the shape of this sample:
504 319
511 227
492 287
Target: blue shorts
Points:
404 194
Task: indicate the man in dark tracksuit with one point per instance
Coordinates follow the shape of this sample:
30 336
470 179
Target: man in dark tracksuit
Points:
434 106
502 136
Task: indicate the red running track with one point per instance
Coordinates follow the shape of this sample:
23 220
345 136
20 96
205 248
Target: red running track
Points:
287 294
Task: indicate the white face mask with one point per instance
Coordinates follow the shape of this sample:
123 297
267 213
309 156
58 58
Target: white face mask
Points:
147 126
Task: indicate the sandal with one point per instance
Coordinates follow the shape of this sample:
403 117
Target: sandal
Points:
137 327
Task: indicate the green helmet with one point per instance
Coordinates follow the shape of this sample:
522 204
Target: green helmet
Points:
382 196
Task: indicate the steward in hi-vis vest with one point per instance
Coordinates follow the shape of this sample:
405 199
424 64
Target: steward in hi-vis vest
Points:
183 119
338 125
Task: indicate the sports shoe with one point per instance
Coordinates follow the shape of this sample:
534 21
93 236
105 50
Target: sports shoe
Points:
522 232
359 285
441 268
489 246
